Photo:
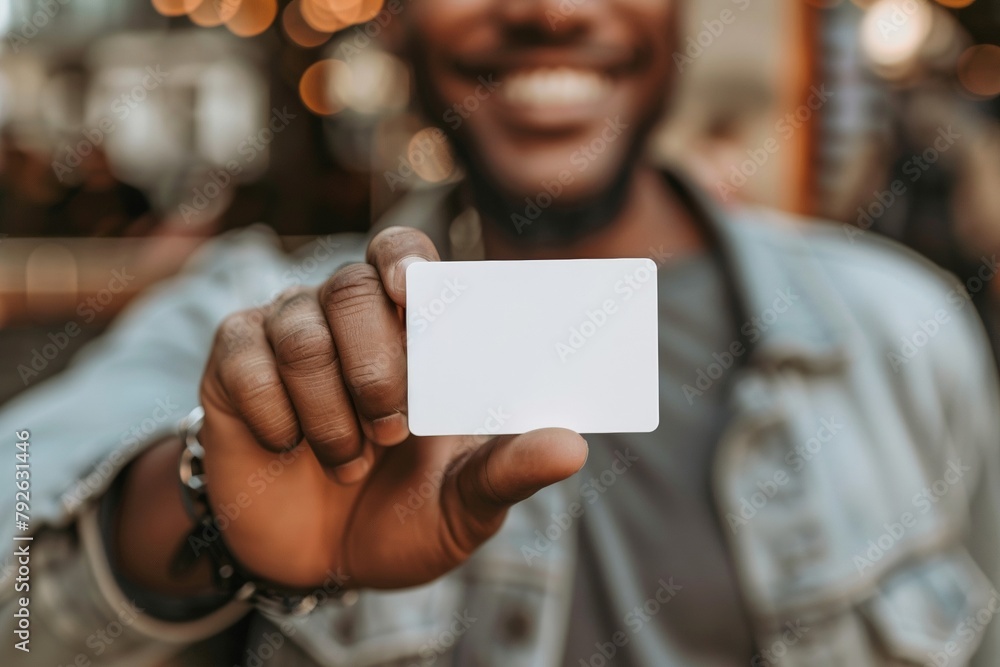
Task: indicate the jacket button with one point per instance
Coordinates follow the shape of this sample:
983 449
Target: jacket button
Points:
516 626
343 628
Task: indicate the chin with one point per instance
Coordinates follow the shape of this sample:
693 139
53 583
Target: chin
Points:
551 204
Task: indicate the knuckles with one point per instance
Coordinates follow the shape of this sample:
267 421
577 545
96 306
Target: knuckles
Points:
307 346
371 382
235 333
351 288
393 243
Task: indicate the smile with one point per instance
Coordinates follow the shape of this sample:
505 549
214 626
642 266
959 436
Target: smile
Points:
555 87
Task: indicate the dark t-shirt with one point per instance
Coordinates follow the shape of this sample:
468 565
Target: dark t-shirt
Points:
653 572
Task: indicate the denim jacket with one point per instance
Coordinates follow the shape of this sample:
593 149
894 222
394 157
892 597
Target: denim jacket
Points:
857 482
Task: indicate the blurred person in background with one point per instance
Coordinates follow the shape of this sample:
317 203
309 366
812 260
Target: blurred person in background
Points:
95 204
28 189
100 205
822 490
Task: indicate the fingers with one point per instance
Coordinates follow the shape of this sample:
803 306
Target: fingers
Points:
501 473
392 250
308 364
327 365
247 374
365 325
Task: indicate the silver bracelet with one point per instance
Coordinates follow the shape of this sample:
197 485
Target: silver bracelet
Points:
206 539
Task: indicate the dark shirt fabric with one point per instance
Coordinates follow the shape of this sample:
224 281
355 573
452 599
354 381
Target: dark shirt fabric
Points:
654 584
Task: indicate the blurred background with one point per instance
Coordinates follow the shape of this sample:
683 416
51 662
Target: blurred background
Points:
131 131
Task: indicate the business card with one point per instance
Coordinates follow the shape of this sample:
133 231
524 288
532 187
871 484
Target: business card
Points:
509 347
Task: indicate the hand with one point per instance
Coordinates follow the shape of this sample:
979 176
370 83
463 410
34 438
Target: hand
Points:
306 439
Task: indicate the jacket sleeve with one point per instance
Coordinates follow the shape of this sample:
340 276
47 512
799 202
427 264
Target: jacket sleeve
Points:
80 616
122 393
975 417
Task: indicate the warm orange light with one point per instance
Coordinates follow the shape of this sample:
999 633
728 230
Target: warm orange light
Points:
253 17
298 30
334 15
170 7
430 156
979 70
316 86
955 4
210 13
370 10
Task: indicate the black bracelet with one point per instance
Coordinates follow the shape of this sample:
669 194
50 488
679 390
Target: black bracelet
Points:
205 537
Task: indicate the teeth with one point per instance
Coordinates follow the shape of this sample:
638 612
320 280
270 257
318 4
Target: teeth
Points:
555 87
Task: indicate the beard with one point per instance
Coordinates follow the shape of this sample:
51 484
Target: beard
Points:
562 222
559 223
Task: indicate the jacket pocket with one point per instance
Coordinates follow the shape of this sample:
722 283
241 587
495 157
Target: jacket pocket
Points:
416 627
934 611
931 611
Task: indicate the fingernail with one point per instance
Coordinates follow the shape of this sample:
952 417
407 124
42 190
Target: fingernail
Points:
399 273
353 472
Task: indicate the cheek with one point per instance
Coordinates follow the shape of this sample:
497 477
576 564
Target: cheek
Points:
436 20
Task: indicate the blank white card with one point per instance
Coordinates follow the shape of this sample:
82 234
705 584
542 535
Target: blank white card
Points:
509 347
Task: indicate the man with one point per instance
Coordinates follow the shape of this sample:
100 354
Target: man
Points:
821 490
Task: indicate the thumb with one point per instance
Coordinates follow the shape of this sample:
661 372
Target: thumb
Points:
503 472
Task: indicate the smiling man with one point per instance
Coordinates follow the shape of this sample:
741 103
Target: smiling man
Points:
778 516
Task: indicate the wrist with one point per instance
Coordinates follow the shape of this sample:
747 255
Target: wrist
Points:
205 542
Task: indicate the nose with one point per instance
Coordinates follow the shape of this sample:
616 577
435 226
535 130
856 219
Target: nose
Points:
546 21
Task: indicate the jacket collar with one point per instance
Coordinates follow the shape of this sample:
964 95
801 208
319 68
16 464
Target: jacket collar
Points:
789 313
771 267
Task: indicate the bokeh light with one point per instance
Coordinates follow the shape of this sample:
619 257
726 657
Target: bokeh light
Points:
979 70
378 82
331 15
316 87
334 15
893 31
253 17
430 156
298 30
210 13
